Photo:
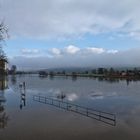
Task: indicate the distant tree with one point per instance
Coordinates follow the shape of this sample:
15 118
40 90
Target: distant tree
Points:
43 73
51 73
111 71
86 72
135 70
94 71
13 69
105 71
2 54
100 70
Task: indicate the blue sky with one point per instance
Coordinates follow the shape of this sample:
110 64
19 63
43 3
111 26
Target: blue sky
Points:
15 46
59 33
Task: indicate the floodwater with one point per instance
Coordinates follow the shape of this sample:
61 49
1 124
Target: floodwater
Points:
23 118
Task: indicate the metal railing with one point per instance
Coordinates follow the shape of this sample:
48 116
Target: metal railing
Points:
105 117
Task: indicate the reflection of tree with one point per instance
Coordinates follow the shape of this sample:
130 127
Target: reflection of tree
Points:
51 77
13 79
3 120
3 116
74 78
3 83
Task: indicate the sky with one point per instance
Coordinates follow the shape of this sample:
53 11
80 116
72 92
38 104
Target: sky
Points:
71 33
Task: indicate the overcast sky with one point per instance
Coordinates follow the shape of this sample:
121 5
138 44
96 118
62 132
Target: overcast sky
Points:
59 33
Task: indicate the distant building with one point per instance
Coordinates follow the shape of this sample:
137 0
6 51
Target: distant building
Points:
3 67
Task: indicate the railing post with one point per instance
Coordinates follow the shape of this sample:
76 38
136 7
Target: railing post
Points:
39 98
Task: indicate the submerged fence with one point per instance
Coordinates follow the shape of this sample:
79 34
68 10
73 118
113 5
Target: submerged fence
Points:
105 117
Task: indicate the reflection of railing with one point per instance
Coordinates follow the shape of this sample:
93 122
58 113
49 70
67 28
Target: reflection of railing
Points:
3 120
107 118
22 87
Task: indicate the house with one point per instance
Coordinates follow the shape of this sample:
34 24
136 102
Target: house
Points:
3 66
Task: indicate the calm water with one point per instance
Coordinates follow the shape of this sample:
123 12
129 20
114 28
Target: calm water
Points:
22 118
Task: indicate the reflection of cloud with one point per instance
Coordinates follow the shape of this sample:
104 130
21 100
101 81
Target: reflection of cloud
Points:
72 97
101 95
55 91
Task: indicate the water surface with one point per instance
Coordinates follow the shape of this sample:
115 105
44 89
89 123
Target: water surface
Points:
22 118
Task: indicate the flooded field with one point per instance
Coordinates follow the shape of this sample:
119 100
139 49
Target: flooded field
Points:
57 117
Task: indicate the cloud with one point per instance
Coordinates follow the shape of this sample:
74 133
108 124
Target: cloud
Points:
95 50
70 18
26 51
71 49
55 51
108 58
112 51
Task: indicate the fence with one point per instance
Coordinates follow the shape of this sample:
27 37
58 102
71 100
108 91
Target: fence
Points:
105 117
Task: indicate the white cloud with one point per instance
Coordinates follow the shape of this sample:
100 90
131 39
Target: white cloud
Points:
26 51
68 18
56 51
109 58
71 49
95 50
76 51
112 51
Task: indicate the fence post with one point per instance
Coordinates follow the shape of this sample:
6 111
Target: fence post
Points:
39 98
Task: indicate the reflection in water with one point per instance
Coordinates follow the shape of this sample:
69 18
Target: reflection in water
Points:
3 83
22 87
51 77
100 95
72 97
3 116
74 78
61 96
13 79
41 121
105 117
3 120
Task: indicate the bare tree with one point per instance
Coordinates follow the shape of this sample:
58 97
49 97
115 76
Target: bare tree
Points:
3 31
3 36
